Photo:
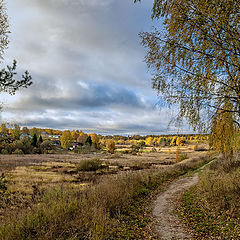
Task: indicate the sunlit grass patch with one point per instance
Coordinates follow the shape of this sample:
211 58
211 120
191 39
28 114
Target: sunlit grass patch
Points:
22 178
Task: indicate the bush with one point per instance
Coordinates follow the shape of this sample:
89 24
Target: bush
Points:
18 151
83 149
154 149
17 145
46 146
4 151
51 151
36 150
89 165
180 156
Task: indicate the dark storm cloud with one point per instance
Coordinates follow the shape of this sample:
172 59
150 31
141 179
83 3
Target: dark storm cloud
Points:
78 97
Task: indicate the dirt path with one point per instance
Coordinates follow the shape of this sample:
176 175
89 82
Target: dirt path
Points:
167 225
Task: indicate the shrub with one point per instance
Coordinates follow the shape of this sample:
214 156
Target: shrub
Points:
51 151
18 151
17 145
83 149
4 151
36 150
154 149
179 156
46 145
194 147
135 148
89 165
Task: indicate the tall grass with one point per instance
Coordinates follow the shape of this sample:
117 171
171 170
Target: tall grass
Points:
212 207
103 211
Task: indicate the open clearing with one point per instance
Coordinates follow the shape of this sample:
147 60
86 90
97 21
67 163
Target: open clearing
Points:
29 176
23 171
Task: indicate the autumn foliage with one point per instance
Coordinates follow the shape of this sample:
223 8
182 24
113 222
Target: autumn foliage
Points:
110 146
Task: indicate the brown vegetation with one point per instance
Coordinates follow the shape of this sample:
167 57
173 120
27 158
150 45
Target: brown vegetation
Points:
212 207
57 205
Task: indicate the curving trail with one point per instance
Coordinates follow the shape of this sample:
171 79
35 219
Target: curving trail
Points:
167 225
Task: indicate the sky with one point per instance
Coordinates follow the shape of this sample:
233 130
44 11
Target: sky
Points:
87 66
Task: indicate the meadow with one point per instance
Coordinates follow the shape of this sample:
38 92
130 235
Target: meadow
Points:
88 196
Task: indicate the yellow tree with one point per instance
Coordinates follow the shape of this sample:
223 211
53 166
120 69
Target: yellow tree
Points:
223 133
95 139
173 141
3 128
159 141
82 137
195 59
110 146
178 139
75 135
149 141
16 132
66 139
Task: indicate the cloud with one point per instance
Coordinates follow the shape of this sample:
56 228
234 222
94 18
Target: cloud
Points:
108 122
81 95
87 66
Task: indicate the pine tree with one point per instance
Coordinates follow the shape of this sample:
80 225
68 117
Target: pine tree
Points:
40 139
34 140
89 141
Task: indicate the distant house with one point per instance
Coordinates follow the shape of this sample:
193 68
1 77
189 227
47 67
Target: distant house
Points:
25 135
76 144
54 136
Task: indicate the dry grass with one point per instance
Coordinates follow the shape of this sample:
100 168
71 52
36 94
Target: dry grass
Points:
43 171
97 212
212 207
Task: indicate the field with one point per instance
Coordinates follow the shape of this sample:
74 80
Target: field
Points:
34 181
22 171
